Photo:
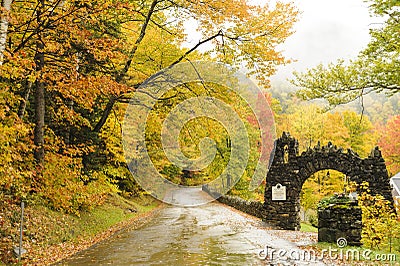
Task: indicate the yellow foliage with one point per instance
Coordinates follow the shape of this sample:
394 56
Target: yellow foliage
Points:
380 226
66 188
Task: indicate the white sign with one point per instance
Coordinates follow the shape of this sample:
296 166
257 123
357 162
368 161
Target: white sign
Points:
279 192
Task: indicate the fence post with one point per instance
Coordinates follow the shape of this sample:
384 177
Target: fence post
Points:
21 230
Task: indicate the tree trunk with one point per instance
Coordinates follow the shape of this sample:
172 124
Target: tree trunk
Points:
39 93
39 122
127 65
22 105
6 4
105 115
68 130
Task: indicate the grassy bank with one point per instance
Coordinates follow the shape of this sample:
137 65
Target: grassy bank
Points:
50 236
305 227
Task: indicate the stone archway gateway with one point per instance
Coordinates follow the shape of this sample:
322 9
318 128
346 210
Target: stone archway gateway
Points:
289 171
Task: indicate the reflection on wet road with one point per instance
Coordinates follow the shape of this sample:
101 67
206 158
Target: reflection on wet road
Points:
210 234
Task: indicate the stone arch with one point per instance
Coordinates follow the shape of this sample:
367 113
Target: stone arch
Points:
293 171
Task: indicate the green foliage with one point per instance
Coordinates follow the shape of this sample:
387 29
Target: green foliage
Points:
313 219
172 172
241 189
375 69
114 166
308 228
336 199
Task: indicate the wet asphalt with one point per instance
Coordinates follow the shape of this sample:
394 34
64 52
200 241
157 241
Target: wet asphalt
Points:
208 234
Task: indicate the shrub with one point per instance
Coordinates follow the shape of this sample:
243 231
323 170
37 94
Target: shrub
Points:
65 187
16 160
380 227
341 198
313 219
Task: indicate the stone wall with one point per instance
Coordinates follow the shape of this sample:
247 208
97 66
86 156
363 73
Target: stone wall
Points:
254 208
291 169
340 221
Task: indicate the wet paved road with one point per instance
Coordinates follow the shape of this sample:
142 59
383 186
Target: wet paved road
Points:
210 234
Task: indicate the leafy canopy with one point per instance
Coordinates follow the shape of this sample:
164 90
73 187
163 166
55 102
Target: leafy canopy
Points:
68 69
375 69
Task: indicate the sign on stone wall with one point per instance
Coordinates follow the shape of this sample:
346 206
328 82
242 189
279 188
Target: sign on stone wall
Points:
292 169
278 192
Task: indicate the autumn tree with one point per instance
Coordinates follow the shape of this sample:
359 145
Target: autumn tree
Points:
310 124
318 186
376 69
241 33
304 122
380 226
5 9
390 144
110 46
361 138
202 127
71 65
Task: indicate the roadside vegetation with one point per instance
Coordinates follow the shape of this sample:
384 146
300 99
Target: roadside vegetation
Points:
371 79
51 235
69 68
306 227
67 72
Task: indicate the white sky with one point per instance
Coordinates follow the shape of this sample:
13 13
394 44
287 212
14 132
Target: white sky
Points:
326 31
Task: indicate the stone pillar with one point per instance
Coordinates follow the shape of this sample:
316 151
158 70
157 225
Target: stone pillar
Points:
340 220
291 170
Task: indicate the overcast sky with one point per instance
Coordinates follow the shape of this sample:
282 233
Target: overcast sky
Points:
326 31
